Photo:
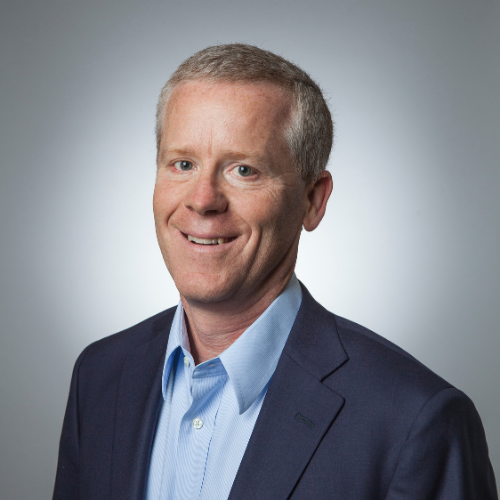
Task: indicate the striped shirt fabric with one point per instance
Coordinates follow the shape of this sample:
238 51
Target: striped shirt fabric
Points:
209 411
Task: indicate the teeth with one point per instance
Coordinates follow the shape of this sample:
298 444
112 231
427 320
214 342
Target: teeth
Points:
203 241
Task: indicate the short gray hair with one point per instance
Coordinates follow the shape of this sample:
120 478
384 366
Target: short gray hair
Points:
309 133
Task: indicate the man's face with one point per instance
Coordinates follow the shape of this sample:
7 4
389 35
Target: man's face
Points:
225 177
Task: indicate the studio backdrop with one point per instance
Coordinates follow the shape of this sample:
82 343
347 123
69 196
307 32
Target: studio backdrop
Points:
410 243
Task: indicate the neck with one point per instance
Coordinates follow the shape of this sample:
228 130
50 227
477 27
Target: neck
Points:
212 328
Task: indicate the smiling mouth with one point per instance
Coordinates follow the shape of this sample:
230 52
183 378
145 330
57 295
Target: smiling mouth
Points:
211 241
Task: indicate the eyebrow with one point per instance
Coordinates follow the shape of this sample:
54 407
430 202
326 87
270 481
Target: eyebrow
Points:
247 155
174 152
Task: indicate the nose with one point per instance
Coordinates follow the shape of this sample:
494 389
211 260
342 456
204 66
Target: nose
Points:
206 195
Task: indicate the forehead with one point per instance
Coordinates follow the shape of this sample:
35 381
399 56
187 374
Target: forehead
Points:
226 110
247 96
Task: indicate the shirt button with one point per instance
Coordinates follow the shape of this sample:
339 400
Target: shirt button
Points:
197 423
186 361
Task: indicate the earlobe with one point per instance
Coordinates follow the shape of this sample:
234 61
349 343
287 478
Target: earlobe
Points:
318 195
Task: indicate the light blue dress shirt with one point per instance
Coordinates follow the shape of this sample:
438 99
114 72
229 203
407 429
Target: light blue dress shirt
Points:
209 411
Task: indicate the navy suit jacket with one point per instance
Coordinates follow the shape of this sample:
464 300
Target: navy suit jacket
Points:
347 416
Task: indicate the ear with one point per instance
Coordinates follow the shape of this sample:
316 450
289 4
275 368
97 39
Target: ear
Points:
318 193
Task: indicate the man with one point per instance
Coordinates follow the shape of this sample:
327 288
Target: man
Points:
249 389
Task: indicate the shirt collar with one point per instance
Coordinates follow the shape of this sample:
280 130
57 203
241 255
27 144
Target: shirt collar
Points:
251 360
178 338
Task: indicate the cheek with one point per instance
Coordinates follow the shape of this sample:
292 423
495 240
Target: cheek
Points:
163 202
278 217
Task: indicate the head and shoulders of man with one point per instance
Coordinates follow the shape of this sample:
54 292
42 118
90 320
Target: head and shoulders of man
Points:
243 140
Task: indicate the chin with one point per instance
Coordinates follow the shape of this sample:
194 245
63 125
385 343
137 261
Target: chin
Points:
205 288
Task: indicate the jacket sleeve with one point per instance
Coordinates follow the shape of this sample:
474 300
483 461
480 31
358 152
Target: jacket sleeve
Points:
445 456
67 477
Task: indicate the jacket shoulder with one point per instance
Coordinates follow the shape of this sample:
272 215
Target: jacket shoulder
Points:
117 346
381 365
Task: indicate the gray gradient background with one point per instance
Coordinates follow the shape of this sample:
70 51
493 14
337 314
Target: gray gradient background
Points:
410 244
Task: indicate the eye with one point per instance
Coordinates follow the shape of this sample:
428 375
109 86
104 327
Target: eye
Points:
243 170
183 165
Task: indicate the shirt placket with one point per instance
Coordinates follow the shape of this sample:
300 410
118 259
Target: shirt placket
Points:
197 428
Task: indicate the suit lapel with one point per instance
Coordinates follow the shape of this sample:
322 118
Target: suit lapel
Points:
297 411
137 409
